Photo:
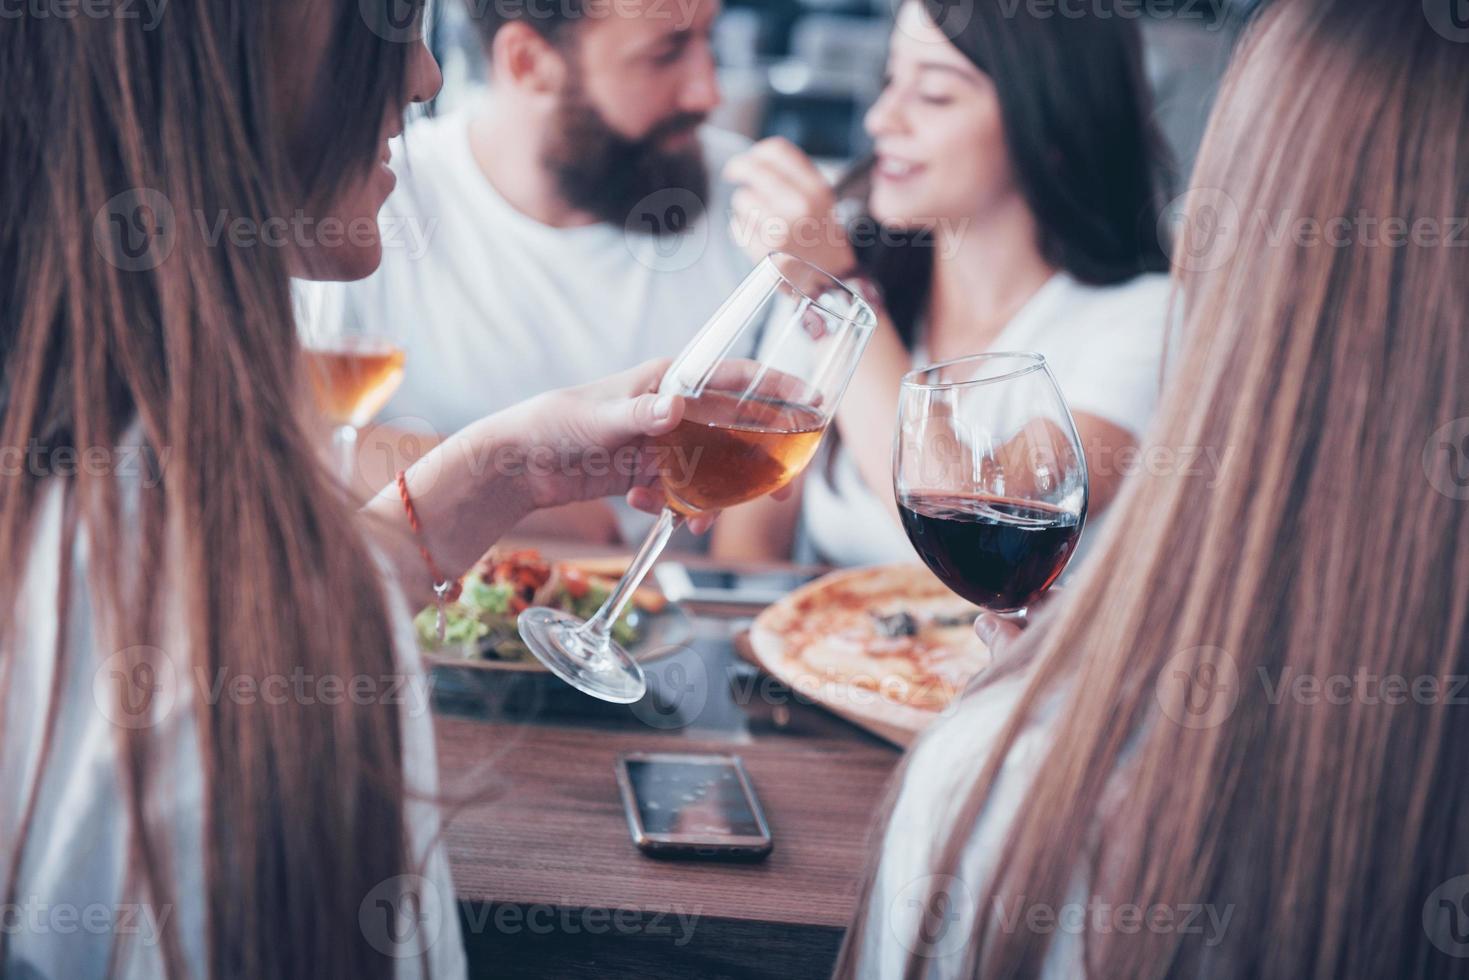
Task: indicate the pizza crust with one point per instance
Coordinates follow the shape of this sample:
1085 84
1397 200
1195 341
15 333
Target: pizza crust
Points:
824 641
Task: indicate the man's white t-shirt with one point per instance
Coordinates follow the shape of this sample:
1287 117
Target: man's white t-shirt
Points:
1104 344
494 307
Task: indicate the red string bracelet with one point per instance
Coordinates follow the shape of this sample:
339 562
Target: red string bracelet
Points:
446 590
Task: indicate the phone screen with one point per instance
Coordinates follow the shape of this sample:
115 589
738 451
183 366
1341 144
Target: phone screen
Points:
705 799
776 582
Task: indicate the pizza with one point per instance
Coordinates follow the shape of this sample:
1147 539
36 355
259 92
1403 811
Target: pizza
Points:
889 644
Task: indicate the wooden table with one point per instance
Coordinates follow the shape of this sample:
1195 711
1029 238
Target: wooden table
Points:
549 881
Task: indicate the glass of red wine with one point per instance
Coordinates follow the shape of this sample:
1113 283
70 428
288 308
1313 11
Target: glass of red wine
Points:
990 477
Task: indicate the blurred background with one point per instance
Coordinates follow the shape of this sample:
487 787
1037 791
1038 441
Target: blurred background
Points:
808 69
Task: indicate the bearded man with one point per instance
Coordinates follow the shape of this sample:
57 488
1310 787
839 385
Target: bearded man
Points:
561 227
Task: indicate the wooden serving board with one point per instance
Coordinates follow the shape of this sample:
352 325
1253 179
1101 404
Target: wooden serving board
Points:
876 689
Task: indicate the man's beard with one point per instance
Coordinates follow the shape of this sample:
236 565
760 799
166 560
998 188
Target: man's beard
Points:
601 172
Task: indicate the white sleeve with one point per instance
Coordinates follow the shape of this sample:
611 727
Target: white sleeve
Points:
1109 360
945 759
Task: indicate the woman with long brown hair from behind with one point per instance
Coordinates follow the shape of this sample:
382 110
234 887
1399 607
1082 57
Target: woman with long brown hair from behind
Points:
172 532
1234 747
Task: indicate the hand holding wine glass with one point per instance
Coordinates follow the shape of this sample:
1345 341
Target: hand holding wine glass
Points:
759 385
990 477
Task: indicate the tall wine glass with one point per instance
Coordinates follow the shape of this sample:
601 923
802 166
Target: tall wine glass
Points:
353 373
990 476
761 381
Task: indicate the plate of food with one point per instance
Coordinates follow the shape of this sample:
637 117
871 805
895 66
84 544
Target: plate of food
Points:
480 630
887 647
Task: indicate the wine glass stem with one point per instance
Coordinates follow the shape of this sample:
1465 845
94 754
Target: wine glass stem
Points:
599 628
344 443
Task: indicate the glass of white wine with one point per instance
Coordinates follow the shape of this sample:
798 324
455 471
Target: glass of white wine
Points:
761 382
353 372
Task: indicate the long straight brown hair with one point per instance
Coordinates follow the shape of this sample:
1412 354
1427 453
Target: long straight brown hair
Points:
1325 350
240 535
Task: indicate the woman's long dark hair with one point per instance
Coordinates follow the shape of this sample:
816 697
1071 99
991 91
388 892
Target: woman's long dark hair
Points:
241 558
1184 769
1078 126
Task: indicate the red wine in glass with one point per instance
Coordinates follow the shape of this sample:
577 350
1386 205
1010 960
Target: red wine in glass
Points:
997 553
990 477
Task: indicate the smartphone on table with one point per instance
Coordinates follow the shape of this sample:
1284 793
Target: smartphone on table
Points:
728 587
682 805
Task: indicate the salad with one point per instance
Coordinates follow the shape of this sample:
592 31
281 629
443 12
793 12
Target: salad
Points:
481 623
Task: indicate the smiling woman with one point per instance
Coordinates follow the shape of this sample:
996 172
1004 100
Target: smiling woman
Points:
1012 204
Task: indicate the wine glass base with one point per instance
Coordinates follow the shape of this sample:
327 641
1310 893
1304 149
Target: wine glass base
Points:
604 671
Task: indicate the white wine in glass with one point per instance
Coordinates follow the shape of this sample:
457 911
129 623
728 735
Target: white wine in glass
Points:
352 377
760 383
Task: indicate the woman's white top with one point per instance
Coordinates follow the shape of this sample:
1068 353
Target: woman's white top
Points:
70 904
942 764
1104 344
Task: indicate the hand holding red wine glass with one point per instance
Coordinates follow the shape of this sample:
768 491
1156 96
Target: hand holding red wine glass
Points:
990 477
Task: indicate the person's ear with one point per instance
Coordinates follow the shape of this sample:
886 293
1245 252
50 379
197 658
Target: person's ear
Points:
527 60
